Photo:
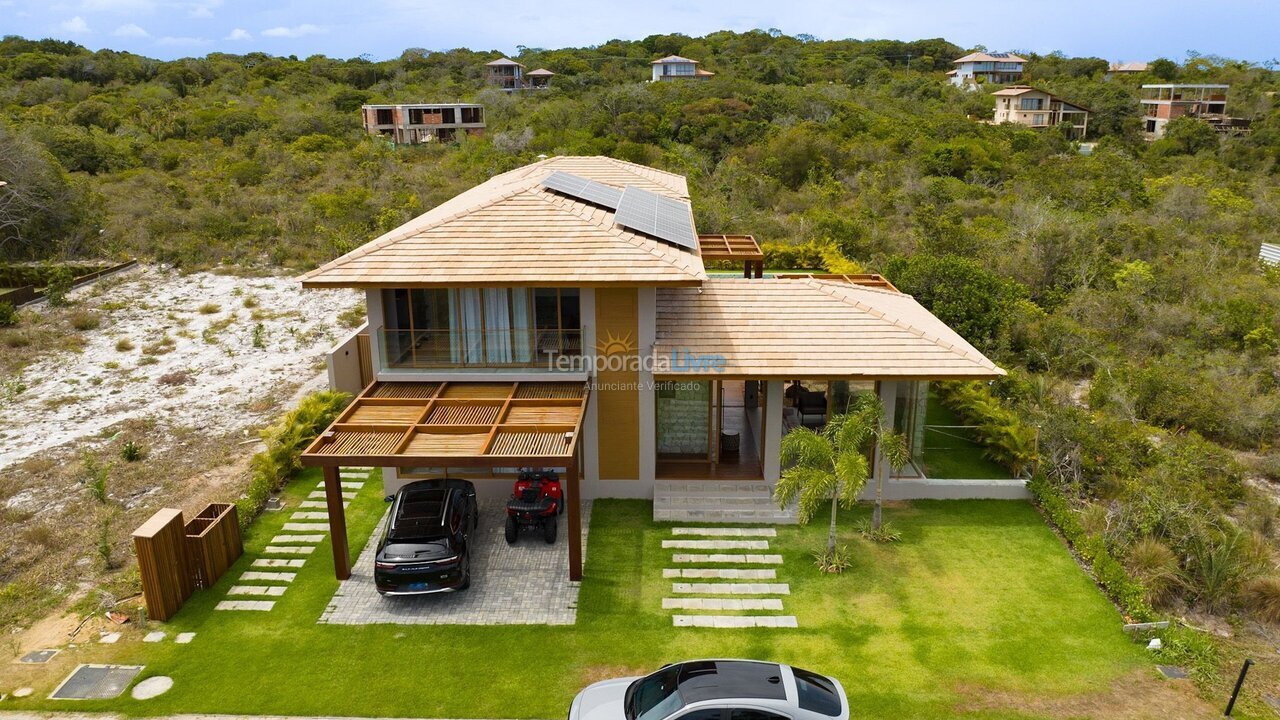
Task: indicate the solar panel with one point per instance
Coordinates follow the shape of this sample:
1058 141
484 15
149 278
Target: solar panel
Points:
657 216
999 55
583 189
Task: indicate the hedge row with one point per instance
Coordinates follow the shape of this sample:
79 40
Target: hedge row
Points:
285 441
1126 592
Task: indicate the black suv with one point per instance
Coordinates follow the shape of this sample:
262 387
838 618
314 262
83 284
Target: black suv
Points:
426 546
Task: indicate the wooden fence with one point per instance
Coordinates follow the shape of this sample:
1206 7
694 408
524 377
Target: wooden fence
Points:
176 558
214 539
29 293
164 563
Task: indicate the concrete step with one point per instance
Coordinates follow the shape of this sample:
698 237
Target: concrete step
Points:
718 501
721 604
267 590
259 605
734 621
721 573
731 588
771 516
725 531
736 559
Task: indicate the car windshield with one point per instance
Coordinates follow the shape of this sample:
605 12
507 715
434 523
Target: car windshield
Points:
654 697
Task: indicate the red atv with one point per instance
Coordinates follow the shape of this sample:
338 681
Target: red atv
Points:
534 505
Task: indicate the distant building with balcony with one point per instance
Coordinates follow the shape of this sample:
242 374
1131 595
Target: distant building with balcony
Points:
982 67
1162 103
674 67
412 123
1127 68
1035 108
509 75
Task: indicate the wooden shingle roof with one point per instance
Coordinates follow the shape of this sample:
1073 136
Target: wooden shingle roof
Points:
809 328
510 231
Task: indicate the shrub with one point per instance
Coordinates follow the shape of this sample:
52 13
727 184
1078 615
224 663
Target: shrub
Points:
285 442
131 451
886 533
975 301
250 302
210 309
104 544
83 320
124 345
95 476
1155 566
1220 565
177 377
352 317
1008 441
8 314
1262 597
1191 649
836 560
259 336
59 284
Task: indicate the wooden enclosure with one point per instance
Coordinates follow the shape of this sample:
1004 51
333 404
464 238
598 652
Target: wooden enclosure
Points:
164 563
213 540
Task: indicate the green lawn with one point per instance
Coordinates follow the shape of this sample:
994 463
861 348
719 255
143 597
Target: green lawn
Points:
948 451
978 596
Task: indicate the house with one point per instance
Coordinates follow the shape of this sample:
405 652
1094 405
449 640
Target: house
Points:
983 67
1126 68
674 67
413 123
1164 102
560 315
1035 108
509 75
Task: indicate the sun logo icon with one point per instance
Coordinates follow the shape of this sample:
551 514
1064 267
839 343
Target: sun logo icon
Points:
613 345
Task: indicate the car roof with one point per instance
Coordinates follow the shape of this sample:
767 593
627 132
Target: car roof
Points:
421 509
701 680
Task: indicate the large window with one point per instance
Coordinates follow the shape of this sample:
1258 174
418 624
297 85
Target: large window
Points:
492 327
1031 104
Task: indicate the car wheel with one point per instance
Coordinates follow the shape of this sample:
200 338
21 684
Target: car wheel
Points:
549 530
511 531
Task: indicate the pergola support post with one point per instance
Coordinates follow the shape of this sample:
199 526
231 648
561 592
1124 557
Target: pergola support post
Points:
337 522
574 501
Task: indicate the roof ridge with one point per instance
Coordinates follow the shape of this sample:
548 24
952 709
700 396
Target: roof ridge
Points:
830 289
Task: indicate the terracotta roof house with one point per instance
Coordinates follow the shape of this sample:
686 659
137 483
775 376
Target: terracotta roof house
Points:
1035 108
1127 68
562 315
984 67
674 67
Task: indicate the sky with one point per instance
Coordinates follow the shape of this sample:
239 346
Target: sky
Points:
1119 30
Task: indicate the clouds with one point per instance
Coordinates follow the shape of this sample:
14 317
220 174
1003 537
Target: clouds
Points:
130 30
239 34
74 26
296 31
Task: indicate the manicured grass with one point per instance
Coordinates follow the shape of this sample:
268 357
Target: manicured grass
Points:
978 596
949 453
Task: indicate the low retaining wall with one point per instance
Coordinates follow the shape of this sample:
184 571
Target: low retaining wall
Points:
938 489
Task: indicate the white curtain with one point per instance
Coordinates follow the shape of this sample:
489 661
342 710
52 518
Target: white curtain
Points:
467 345
522 333
497 322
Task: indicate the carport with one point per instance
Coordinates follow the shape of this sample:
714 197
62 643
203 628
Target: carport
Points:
455 425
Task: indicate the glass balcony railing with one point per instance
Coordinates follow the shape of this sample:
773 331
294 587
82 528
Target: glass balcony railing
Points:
523 348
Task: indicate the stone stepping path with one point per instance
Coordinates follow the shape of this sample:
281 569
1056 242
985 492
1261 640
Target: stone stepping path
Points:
184 637
250 575
745 559
721 604
734 621
715 544
720 597
270 576
286 539
725 532
720 573
267 590
731 588
290 549
276 563
259 605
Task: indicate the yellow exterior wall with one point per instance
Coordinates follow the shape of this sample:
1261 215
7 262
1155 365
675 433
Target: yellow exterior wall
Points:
617 392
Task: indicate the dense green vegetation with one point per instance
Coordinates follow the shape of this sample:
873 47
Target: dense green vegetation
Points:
1120 287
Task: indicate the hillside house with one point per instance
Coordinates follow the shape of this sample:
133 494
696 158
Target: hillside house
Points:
414 123
559 315
674 67
982 67
507 74
1035 108
1164 102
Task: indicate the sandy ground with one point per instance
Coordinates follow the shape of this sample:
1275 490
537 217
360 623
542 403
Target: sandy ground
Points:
191 369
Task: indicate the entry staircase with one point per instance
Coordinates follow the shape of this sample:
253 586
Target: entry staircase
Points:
718 501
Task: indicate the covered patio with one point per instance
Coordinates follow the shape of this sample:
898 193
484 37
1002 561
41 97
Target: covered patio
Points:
455 425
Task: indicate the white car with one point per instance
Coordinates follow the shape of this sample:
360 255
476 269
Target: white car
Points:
715 690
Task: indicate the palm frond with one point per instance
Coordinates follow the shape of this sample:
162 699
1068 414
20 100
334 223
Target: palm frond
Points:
894 449
852 471
803 447
810 488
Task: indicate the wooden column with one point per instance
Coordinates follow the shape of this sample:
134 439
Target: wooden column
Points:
574 500
337 523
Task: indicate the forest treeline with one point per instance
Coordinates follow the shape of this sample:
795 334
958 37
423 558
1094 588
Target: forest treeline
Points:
1121 286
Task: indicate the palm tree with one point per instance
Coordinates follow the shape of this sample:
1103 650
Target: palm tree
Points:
833 464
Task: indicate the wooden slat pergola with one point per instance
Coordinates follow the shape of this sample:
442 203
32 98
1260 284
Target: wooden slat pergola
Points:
734 248
455 425
874 280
